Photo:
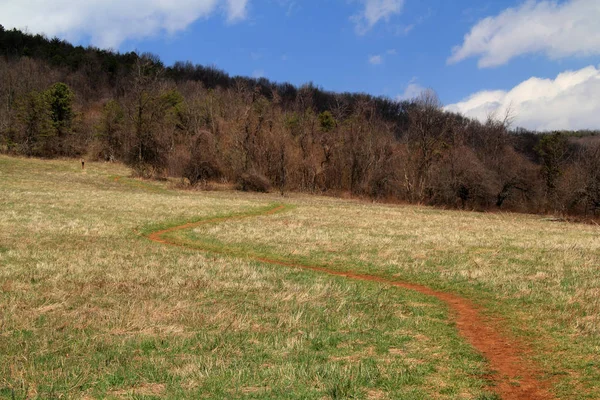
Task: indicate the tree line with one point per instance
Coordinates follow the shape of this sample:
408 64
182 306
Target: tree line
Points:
200 124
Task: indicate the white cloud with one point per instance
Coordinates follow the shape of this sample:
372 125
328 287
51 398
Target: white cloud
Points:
407 29
376 60
375 11
571 101
108 22
236 10
412 91
258 73
558 30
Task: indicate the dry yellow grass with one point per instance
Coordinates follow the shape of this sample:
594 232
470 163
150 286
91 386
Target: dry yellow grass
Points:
89 307
541 275
512 256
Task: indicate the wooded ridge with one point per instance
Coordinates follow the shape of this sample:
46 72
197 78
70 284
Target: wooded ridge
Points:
200 124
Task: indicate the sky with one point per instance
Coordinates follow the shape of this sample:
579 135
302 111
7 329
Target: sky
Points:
538 60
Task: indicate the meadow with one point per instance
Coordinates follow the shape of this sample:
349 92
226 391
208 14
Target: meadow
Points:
91 308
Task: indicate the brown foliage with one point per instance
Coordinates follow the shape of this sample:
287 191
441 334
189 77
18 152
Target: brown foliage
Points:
253 182
242 133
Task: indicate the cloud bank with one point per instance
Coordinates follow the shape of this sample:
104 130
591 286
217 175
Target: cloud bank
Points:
571 101
557 30
375 11
108 22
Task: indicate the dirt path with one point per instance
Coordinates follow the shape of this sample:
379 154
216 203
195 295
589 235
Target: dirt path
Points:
512 377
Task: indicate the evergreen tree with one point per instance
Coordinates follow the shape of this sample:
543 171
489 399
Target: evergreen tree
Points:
35 116
60 98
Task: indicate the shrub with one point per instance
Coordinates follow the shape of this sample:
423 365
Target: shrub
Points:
253 182
198 170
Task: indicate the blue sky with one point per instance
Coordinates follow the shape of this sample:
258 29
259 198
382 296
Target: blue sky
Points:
308 41
393 48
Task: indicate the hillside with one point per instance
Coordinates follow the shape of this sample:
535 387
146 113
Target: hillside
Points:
199 124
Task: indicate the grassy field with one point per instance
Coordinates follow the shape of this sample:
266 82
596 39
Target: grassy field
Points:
90 308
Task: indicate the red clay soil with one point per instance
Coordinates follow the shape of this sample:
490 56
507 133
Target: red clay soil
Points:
512 377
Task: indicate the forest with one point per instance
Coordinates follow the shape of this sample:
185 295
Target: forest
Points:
201 125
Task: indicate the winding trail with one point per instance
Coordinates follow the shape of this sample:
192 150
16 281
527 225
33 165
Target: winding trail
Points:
512 377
